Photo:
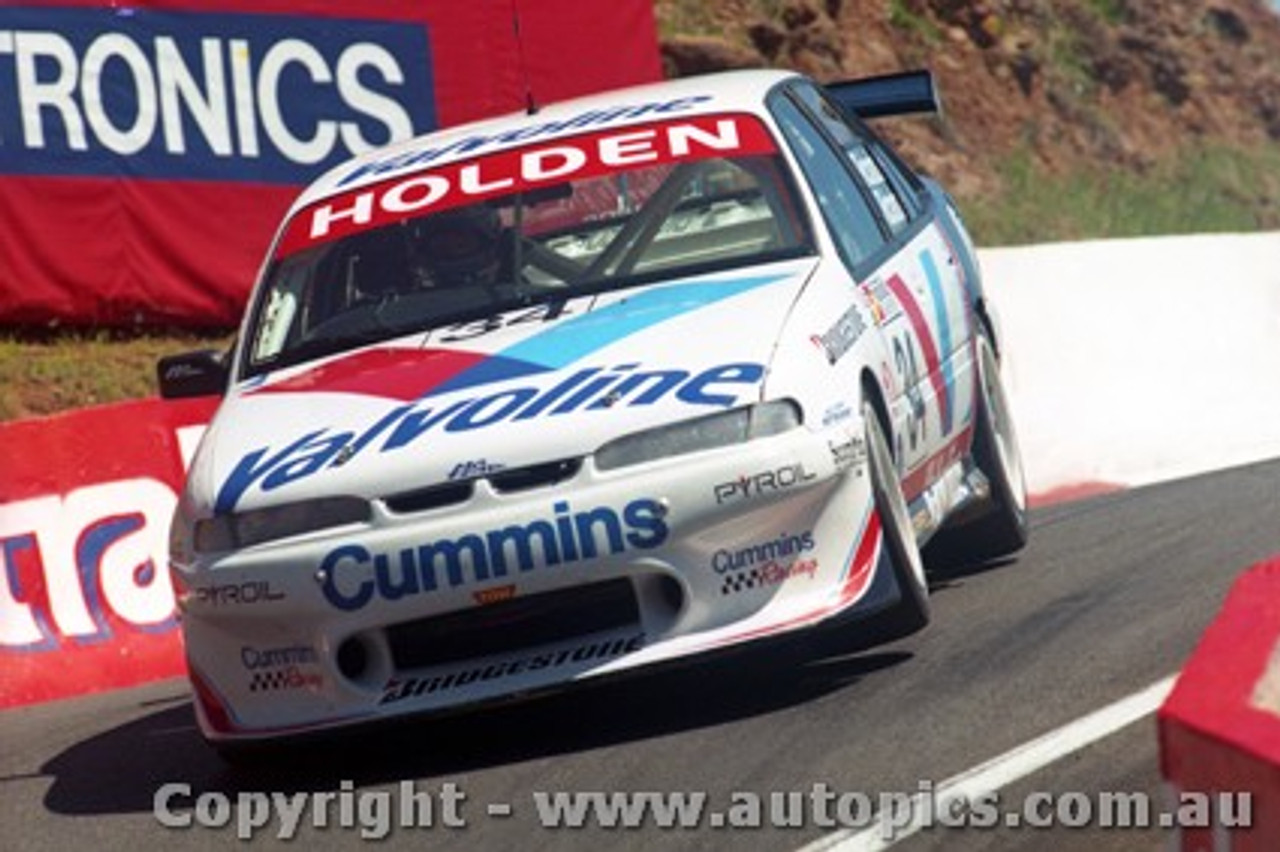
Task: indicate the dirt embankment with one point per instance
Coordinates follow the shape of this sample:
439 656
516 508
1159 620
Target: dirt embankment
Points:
1122 82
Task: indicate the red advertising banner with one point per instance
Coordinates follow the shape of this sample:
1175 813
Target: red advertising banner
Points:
148 152
86 603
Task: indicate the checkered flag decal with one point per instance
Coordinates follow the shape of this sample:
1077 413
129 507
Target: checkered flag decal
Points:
270 680
734 583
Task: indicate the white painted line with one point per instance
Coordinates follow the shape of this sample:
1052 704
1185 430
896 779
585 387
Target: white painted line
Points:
1001 771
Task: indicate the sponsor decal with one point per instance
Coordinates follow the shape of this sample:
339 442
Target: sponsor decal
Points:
497 594
290 677
473 469
767 575
276 669
837 412
399 689
232 594
765 482
839 339
846 454
926 474
581 157
351 575
421 377
725 561
884 306
585 390
268 658
76 569
478 143
219 96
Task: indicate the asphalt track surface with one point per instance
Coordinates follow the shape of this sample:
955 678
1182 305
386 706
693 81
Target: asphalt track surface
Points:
1111 596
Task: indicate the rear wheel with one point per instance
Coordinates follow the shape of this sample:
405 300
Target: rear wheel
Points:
1001 527
911 612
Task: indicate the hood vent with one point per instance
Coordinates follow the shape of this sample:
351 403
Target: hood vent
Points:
435 497
535 476
504 482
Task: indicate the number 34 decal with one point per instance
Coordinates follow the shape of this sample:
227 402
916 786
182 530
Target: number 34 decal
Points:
472 329
904 355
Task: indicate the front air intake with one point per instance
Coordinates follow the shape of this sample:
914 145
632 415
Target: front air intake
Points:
514 625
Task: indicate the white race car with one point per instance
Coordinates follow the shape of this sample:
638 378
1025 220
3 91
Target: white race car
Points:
561 395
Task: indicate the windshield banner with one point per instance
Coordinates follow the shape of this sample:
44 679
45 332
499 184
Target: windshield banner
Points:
148 152
526 169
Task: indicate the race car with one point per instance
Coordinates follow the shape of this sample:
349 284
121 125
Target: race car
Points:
626 380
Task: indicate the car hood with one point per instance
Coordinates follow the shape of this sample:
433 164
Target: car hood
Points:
527 387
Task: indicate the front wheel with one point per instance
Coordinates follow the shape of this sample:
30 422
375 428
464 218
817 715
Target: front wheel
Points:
911 612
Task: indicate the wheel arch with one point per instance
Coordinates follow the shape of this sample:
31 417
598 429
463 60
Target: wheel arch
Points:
989 325
874 394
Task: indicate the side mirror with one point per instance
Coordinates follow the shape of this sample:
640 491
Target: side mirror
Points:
201 373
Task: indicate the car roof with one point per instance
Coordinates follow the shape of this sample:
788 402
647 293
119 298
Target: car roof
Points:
729 91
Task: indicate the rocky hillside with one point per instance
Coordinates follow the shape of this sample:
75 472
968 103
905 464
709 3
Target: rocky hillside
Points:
1065 84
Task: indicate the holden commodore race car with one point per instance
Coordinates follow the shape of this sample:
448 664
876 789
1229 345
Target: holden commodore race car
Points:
634 378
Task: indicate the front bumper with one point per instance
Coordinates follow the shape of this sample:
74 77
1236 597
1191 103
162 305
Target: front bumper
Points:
508 593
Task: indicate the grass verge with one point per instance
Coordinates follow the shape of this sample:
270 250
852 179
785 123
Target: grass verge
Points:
1210 190
49 371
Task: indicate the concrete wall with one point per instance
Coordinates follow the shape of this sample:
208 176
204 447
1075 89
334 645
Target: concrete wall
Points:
1136 361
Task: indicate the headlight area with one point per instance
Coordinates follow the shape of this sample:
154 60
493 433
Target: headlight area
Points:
722 429
244 529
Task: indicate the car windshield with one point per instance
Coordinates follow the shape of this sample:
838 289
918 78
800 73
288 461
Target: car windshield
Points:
536 225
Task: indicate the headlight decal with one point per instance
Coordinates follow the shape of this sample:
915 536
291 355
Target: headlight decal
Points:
723 429
257 526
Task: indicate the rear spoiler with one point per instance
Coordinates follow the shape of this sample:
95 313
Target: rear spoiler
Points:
890 94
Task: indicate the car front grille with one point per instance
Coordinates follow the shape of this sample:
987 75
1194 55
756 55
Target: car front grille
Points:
514 625
506 481
435 497
535 476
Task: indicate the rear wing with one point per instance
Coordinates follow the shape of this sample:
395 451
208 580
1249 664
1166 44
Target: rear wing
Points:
890 94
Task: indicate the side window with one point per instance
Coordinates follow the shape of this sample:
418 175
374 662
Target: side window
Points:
909 186
849 217
887 199
896 206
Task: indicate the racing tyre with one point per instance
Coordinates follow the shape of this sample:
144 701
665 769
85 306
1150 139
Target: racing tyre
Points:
1001 526
911 612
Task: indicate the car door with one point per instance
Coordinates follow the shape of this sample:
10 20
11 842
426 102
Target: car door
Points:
913 281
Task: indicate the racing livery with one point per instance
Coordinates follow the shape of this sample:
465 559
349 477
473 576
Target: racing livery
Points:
561 395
